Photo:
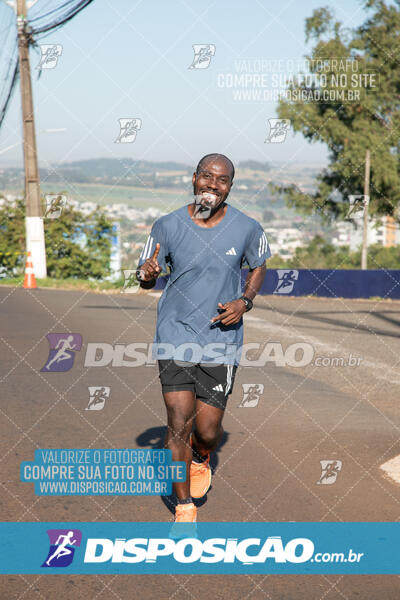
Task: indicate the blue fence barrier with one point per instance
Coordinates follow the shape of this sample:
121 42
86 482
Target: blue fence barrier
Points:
328 283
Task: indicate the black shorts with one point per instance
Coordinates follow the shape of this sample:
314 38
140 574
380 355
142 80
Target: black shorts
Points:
211 384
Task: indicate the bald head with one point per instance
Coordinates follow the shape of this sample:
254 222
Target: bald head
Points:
215 157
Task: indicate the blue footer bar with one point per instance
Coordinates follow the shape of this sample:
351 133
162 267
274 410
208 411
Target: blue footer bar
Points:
212 548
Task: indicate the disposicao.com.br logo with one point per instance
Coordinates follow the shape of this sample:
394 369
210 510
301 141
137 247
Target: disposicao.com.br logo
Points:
248 551
213 548
190 550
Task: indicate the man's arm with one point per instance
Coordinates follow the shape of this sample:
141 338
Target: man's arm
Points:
254 281
234 310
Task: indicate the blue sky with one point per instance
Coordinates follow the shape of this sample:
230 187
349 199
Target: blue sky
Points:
130 59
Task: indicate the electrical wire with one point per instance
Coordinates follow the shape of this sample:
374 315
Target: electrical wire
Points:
9 61
74 9
60 16
4 106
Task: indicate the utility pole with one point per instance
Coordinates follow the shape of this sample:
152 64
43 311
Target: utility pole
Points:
364 247
34 215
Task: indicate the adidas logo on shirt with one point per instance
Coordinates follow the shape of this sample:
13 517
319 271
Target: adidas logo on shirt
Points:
218 388
232 251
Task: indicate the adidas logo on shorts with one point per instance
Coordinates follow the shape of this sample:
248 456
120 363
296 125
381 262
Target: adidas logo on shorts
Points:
232 251
218 388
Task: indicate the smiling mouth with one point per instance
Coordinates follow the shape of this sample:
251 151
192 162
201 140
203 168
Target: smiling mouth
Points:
209 197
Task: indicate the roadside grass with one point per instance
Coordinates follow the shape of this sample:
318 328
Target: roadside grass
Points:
68 284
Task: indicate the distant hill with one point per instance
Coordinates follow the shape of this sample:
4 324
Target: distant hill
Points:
255 165
252 175
114 167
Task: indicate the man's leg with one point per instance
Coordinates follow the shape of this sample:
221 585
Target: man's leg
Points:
180 411
205 438
208 429
213 384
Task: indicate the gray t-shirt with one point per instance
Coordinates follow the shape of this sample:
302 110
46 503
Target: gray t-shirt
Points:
205 268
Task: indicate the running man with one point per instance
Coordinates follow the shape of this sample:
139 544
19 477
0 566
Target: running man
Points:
99 396
199 316
62 549
288 279
62 353
56 205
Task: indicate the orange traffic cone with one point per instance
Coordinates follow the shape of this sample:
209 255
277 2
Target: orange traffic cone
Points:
29 281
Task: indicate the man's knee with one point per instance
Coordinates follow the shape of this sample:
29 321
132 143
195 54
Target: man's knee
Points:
179 424
210 435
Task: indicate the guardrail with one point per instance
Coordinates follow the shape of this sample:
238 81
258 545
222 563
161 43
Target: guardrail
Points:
328 283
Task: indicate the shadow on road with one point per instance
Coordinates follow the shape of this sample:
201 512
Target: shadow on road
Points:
154 438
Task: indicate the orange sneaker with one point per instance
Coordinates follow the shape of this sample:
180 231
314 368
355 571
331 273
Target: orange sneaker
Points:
200 478
185 513
185 522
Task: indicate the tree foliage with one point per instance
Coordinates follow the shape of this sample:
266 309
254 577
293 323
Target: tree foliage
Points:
350 127
320 254
77 245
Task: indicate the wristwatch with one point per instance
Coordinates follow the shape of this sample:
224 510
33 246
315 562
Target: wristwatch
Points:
248 302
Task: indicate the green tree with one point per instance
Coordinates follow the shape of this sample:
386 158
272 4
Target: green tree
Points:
12 238
370 66
319 254
77 245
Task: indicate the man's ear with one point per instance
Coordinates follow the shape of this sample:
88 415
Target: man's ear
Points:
194 178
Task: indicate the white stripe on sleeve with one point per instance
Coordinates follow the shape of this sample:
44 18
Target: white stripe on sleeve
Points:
150 248
147 248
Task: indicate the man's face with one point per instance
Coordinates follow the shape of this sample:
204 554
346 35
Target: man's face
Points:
212 184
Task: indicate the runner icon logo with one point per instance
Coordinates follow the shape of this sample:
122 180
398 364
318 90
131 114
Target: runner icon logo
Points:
202 55
49 56
251 394
330 470
55 203
131 284
278 129
357 206
62 351
97 397
128 129
287 279
63 543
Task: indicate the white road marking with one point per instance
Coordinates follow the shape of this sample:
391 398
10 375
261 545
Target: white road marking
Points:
392 468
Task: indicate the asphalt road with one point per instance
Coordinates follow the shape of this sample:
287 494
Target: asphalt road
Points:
268 464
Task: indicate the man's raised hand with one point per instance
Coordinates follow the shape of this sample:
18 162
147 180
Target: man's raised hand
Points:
150 269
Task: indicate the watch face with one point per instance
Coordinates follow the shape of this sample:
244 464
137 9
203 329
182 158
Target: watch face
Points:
248 303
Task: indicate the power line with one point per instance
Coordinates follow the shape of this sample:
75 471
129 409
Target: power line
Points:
11 61
35 241
4 107
75 8
68 10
